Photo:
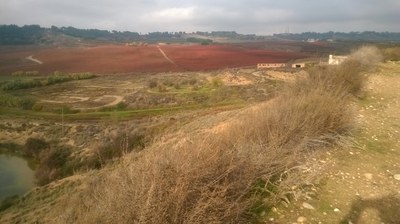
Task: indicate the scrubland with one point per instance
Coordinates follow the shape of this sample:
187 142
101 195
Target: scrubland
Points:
232 167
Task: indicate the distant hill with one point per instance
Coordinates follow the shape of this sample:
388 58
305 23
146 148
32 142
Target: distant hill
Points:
15 35
34 34
340 36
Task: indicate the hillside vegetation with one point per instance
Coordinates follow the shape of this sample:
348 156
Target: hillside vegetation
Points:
34 34
225 172
231 173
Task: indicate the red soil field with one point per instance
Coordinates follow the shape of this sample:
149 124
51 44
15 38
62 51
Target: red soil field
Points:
198 57
121 58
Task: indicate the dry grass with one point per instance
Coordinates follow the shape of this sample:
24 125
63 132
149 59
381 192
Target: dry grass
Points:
392 54
230 176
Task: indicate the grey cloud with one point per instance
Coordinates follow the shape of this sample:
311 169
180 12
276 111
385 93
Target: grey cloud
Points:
247 16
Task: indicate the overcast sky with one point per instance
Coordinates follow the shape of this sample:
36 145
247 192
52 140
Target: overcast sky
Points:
243 16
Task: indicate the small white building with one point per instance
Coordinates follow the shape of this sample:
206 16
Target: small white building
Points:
270 65
336 60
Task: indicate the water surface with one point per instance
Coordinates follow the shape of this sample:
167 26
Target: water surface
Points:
16 177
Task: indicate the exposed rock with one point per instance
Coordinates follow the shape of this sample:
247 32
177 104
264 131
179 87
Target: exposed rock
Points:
336 210
301 219
307 206
368 176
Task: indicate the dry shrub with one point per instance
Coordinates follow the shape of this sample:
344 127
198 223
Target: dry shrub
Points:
292 121
195 183
352 71
346 78
350 75
392 54
226 176
33 147
117 146
308 113
367 56
53 164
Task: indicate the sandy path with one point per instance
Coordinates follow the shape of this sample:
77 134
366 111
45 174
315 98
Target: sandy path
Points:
71 99
107 87
117 100
113 103
165 55
76 99
34 59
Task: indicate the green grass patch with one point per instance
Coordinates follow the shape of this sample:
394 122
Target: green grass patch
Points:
9 83
124 114
21 84
22 102
380 145
121 106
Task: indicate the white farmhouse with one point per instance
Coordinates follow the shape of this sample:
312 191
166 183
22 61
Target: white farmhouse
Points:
336 60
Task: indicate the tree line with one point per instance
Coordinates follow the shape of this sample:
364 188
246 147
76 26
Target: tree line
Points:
34 34
341 36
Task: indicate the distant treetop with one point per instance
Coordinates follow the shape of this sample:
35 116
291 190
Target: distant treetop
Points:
34 34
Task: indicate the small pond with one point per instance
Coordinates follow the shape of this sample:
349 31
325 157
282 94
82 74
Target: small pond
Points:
16 176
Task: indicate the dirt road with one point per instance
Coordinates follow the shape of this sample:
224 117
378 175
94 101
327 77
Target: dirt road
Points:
362 184
165 55
34 60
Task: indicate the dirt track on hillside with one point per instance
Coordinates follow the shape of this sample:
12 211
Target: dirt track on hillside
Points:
165 55
362 184
30 58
